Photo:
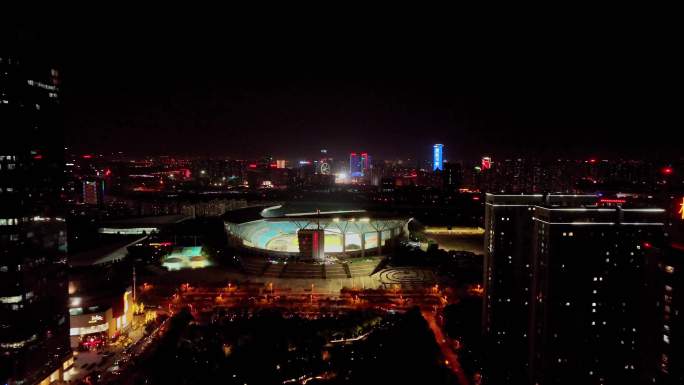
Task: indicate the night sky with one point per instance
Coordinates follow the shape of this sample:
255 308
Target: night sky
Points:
155 89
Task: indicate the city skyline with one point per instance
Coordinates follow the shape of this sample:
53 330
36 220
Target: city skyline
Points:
183 202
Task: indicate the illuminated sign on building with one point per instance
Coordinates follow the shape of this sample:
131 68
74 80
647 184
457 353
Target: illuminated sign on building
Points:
607 200
95 319
681 209
325 168
437 156
486 163
88 330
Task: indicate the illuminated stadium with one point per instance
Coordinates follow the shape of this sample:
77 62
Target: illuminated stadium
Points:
278 230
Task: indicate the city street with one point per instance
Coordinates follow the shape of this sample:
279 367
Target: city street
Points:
450 357
102 361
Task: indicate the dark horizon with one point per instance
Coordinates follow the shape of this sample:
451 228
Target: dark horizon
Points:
145 90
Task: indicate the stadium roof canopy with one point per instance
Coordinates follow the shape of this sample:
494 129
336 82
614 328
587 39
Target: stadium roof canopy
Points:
277 227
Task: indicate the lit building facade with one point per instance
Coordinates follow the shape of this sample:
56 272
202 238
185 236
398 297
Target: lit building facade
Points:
589 275
342 232
486 163
666 271
507 269
665 353
311 244
437 157
359 164
34 321
281 163
355 165
508 279
324 166
93 192
100 305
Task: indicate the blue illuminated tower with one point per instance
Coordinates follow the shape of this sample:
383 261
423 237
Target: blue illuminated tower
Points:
355 165
359 164
437 161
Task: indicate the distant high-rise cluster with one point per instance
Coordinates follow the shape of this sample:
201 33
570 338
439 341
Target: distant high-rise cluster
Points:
525 175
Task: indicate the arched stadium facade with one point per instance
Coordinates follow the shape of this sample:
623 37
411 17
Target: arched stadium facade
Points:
345 232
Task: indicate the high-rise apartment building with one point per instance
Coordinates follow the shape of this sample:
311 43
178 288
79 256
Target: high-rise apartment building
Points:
587 319
34 320
564 283
665 349
507 277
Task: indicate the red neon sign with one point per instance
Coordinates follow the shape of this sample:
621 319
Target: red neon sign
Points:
252 165
486 163
606 200
87 156
667 170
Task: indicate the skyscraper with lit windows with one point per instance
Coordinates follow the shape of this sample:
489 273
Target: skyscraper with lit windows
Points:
34 320
359 164
665 352
565 283
587 306
508 279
